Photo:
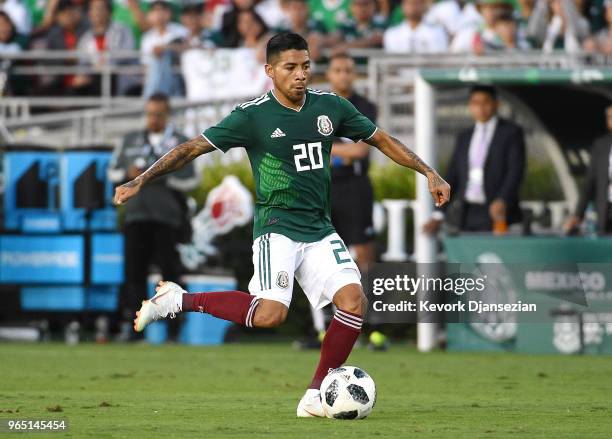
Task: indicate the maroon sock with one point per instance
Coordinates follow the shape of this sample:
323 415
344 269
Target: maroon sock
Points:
235 306
339 339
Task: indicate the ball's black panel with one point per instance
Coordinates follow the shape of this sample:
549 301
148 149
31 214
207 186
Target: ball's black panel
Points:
331 393
358 393
346 415
359 373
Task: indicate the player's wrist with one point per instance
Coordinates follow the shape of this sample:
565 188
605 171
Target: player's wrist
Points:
140 180
430 173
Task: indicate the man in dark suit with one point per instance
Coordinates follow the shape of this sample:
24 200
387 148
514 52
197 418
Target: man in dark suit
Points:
598 184
486 170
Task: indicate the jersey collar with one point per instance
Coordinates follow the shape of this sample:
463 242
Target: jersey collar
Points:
289 108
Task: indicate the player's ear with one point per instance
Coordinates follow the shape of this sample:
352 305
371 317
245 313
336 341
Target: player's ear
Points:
269 70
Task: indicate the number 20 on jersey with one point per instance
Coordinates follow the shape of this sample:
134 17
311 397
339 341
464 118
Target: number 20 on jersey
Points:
308 156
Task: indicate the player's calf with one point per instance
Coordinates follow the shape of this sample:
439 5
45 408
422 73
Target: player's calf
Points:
235 306
343 331
270 313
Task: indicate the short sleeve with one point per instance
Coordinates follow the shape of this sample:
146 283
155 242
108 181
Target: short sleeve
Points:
232 132
354 125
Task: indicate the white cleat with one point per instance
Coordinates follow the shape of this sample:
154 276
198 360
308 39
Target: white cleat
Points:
310 405
167 301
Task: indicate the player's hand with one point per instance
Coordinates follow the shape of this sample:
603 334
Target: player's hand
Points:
126 191
439 188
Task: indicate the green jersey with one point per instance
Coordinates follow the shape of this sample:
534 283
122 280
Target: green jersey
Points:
289 152
330 12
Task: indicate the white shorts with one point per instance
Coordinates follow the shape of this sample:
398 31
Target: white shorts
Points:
321 268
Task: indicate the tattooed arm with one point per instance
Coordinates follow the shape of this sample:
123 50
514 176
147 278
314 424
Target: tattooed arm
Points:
174 159
401 154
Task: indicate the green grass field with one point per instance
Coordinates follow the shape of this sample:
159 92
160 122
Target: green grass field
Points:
237 391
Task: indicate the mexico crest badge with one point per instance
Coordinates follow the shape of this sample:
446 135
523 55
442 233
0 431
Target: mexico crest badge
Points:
324 125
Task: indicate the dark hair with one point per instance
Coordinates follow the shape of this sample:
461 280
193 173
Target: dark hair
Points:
107 3
65 5
161 3
507 16
340 55
160 97
282 42
193 8
7 17
257 18
488 89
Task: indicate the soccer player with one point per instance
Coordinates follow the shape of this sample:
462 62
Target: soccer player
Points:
288 134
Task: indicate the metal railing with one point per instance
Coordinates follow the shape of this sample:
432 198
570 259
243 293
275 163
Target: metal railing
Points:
387 79
108 64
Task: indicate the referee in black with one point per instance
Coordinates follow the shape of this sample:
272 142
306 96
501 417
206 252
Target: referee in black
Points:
351 191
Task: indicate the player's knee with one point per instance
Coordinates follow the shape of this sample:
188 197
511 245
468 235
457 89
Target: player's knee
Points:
358 305
351 299
269 315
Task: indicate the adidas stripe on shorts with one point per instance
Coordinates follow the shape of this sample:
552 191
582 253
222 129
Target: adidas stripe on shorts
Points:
321 268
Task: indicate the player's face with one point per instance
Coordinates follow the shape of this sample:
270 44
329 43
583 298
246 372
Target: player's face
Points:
341 74
290 73
482 106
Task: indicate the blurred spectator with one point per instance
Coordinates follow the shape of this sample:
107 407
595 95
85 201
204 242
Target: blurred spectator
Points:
155 216
102 39
273 12
352 196
43 15
414 35
477 39
20 16
158 51
311 29
558 24
454 16
601 42
331 13
68 27
228 36
598 184
363 30
133 15
8 33
194 20
251 29
8 45
526 8
485 170
508 36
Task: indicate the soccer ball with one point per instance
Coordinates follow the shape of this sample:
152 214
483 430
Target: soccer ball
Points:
348 392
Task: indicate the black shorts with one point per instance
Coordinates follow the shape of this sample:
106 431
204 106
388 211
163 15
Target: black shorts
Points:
351 201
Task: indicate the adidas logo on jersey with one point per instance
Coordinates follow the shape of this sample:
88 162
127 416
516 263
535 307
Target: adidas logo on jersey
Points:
277 133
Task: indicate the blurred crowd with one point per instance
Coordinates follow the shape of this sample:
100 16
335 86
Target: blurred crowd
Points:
161 30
